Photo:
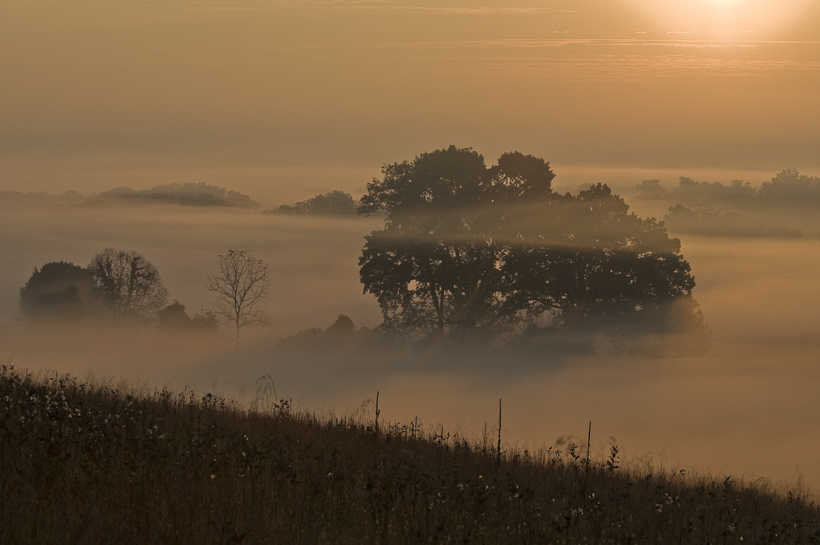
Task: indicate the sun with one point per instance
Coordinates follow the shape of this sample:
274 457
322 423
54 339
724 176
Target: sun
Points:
722 18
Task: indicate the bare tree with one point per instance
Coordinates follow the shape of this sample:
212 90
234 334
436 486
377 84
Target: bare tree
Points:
128 286
240 286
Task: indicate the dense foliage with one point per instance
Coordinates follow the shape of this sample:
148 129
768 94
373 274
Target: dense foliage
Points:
94 463
334 203
468 249
57 290
173 320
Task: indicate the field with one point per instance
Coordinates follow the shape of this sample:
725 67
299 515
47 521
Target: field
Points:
86 462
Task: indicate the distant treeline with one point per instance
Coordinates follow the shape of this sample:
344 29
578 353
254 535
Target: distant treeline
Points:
785 206
789 188
334 203
186 194
40 197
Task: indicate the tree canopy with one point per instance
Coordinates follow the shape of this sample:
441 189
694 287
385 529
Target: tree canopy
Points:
334 203
468 249
173 320
57 290
128 286
186 194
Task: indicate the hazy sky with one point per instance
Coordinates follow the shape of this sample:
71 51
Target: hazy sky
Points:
283 96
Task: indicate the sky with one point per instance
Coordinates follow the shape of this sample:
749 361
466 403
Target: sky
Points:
281 98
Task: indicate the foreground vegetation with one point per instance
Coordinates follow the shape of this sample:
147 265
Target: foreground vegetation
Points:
95 463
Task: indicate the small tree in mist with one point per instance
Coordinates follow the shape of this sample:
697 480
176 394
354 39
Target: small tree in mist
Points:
173 320
128 286
240 285
57 291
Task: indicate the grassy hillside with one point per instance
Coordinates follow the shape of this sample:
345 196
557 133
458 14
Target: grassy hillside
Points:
94 463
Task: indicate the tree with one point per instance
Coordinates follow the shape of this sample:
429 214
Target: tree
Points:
335 203
468 249
240 285
58 290
128 286
173 319
341 327
431 265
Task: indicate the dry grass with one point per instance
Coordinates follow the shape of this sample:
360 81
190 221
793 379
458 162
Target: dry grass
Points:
93 463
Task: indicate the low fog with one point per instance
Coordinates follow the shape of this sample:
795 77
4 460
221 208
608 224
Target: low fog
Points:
748 408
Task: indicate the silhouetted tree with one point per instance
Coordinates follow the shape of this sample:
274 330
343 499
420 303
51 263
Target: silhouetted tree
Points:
128 286
58 290
342 335
791 187
342 326
651 189
430 266
174 319
468 248
240 285
187 194
334 203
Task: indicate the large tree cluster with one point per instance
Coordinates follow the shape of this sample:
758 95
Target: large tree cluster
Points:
477 251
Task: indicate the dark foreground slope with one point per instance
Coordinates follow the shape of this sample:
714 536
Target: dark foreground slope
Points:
90 463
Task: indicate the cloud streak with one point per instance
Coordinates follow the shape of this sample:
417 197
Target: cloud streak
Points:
524 43
585 59
268 5
638 68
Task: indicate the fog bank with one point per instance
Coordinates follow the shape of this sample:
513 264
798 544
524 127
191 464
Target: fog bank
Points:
747 407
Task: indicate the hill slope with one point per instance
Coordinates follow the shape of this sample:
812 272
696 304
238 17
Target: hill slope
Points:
93 463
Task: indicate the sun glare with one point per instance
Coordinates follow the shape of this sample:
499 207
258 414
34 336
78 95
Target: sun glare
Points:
723 18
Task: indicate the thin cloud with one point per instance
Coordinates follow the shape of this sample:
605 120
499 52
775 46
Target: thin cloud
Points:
635 68
373 5
525 43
